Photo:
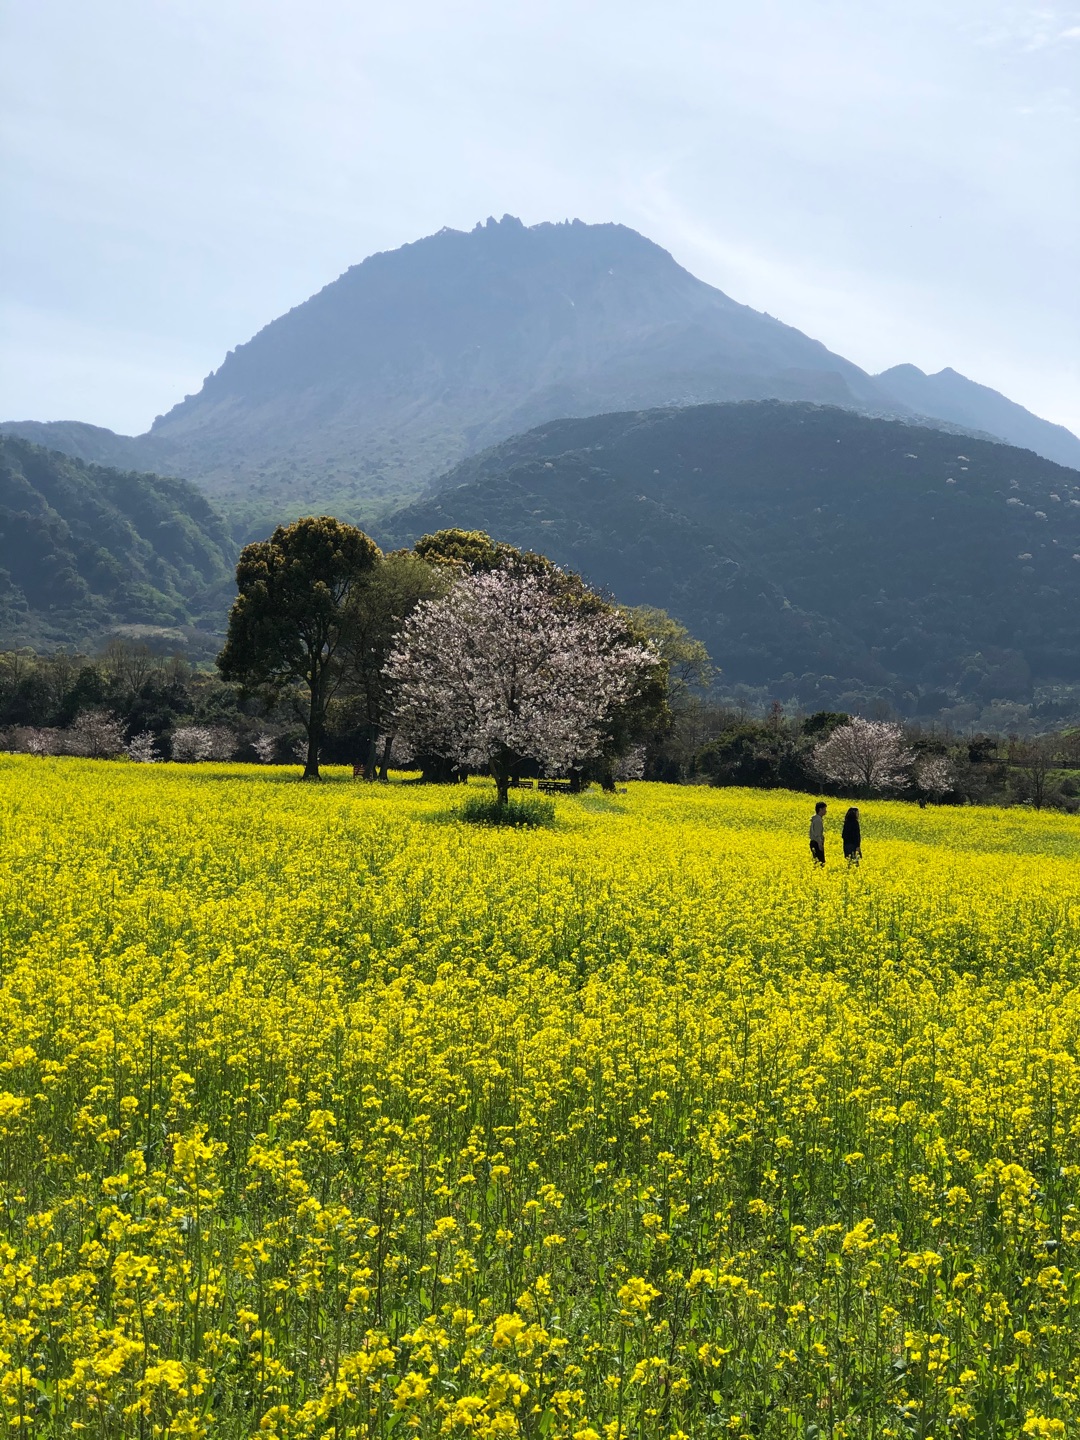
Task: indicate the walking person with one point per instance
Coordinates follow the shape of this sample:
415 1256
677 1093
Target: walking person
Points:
817 833
851 836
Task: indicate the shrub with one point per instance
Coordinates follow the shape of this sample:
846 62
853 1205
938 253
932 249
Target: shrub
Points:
484 809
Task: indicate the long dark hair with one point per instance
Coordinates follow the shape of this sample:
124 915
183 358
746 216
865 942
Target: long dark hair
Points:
851 819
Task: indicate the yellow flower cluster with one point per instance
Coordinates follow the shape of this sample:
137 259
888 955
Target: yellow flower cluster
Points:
324 1114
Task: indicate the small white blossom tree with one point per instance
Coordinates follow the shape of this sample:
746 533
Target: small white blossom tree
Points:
934 774
265 747
96 735
191 743
504 669
631 766
222 743
868 753
142 748
40 740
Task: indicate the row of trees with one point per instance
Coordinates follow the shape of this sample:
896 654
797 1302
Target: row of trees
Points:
835 753
318 617
100 735
465 654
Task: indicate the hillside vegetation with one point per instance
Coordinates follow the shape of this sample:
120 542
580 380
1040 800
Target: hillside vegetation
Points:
828 557
85 549
323 1111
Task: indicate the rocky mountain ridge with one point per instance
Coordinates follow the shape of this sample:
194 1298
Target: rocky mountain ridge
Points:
369 391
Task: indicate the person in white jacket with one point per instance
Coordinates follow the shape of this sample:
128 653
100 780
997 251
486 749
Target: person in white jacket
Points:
817 833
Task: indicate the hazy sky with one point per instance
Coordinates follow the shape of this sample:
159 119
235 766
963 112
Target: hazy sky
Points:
898 178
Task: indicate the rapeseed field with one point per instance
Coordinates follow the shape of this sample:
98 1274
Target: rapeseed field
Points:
324 1114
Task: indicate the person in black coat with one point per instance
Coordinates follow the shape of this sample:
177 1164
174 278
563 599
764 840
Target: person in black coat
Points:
851 836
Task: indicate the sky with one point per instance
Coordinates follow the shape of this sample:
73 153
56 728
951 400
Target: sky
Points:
899 179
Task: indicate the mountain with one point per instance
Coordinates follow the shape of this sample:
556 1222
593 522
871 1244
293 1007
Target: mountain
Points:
418 357
85 549
951 396
825 556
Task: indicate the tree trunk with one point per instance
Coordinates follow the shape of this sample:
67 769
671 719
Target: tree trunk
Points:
311 764
314 730
372 763
384 767
501 771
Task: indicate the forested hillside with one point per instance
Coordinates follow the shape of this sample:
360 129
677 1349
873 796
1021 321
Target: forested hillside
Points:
84 549
822 555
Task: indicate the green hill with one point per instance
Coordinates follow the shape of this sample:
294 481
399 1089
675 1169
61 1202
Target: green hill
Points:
85 549
820 554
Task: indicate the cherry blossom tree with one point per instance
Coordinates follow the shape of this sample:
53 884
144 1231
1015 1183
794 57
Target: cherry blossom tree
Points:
95 734
505 668
33 740
265 747
934 774
870 753
142 748
194 743
191 743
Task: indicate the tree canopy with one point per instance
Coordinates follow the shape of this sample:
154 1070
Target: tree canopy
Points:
290 622
502 670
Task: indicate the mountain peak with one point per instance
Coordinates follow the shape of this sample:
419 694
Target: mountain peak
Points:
417 357
950 396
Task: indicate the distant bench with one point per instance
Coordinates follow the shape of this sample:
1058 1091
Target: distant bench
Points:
563 785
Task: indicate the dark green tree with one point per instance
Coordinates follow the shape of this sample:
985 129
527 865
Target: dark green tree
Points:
289 625
474 551
378 607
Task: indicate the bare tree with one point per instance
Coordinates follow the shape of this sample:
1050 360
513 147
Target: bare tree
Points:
502 670
1036 759
867 753
128 666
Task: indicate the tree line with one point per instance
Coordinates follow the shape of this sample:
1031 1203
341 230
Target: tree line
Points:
461 653
464 654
